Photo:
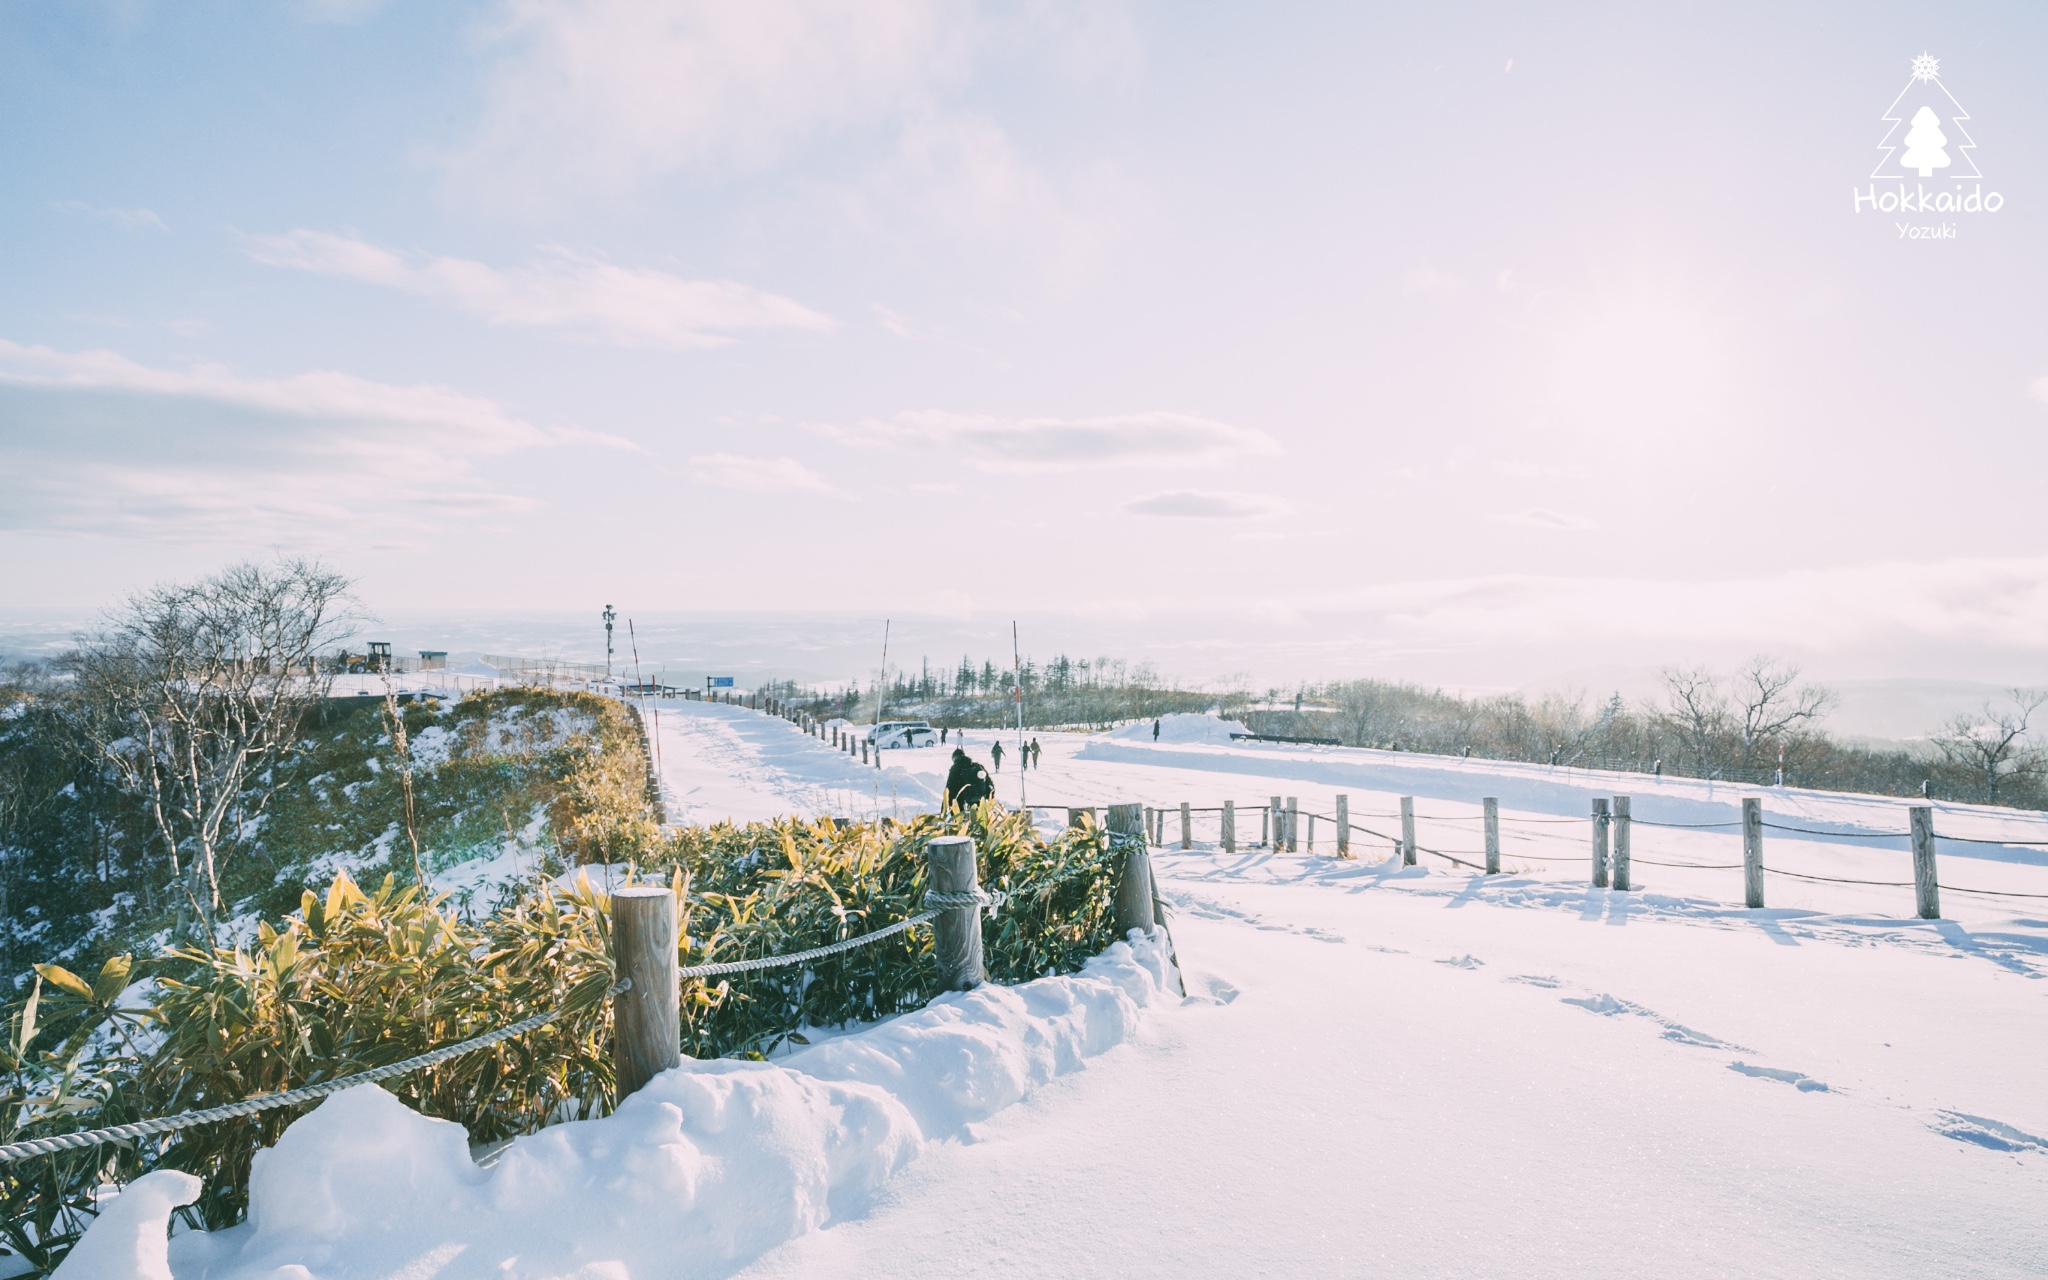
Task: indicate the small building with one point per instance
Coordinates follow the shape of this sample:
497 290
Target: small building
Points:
433 659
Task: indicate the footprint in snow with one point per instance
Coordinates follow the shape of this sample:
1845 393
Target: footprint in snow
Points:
1463 962
1537 980
1607 1007
1798 1080
1207 988
1980 1132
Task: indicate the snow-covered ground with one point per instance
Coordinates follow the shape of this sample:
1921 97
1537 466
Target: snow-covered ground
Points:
1430 1071
1379 1070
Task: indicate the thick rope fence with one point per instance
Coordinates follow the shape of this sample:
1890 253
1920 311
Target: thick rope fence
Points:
936 903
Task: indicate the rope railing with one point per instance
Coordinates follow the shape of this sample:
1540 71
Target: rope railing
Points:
935 902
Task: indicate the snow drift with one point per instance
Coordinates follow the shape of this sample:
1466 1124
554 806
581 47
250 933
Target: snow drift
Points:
710 1165
1182 727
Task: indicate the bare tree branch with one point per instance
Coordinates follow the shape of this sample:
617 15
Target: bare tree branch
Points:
191 691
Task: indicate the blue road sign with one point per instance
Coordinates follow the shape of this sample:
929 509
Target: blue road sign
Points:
718 682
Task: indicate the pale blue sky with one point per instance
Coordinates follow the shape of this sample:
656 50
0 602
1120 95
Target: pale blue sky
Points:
1467 331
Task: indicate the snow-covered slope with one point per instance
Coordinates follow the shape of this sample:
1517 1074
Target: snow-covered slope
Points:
1379 1070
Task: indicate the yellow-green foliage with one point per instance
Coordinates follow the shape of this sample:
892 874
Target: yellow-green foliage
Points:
355 980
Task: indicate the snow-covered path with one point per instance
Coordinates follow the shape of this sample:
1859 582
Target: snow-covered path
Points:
721 762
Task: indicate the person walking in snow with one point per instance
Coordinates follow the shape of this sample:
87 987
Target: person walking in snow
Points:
1155 731
967 783
942 735
995 753
1034 753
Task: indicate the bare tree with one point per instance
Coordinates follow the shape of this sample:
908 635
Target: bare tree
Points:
1991 745
1697 710
1773 702
191 693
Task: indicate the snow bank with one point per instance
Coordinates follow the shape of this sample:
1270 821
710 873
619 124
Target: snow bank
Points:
1182 727
708 1167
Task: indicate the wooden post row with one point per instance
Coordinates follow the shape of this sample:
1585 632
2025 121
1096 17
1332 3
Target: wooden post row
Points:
1135 908
1621 839
956 933
1753 851
1600 843
1926 888
647 1017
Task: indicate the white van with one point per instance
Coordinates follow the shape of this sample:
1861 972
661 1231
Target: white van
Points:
903 733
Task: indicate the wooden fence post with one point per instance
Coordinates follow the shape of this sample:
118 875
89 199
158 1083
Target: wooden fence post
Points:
1407 831
1621 843
1187 826
647 1017
1490 813
956 933
1343 826
1230 826
1600 843
1293 825
1753 851
1926 889
1275 824
1127 819
1135 908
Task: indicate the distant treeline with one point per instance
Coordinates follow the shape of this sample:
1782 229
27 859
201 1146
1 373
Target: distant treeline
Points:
1077 693
1756 725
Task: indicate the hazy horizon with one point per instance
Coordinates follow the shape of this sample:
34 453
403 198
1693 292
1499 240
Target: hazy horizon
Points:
1472 346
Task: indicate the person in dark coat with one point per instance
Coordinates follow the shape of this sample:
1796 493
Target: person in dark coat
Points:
967 783
1155 731
995 753
1034 753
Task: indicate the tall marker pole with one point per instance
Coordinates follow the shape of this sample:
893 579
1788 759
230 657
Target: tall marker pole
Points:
1017 661
656 735
881 695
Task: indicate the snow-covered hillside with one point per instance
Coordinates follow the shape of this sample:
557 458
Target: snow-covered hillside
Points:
1379 1070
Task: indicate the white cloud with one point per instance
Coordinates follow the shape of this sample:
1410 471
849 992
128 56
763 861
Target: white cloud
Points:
97 443
759 475
557 290
1063 444
129 218
595 100
1200 504
1544 518
601 95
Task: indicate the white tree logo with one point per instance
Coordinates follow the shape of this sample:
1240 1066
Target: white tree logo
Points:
1924 143
1936 123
